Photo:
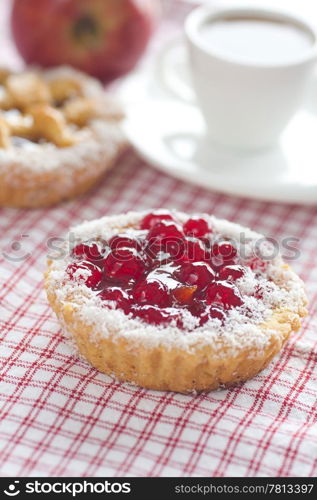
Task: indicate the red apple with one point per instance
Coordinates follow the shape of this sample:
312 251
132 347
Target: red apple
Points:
105 38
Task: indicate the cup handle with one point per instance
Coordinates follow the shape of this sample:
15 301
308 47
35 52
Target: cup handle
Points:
169 69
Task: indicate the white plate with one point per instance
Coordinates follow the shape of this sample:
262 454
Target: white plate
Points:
170 134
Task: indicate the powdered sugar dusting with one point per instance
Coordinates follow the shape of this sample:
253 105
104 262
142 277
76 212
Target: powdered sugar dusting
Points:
278 288
99 141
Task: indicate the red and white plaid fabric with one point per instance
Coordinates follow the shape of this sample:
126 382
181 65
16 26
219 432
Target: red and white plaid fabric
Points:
61 417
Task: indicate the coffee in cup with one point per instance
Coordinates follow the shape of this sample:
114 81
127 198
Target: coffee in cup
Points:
250 68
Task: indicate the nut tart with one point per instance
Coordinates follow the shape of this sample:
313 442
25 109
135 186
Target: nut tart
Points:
59 133
176 302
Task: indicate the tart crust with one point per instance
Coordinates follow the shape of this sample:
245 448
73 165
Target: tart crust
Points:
202 367
174 369
46 174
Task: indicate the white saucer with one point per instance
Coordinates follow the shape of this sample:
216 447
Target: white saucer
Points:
170 134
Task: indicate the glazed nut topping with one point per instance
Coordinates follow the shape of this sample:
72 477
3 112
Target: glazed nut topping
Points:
27 89
4 134
80 109
50 124
4 73
46 110
64 88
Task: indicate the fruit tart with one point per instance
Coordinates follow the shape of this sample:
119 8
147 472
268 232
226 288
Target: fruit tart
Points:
171 301
59 133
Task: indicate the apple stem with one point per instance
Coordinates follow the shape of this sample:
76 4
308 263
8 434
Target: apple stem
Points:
85 30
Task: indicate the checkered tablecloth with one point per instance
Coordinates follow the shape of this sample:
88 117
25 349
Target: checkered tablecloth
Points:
61 417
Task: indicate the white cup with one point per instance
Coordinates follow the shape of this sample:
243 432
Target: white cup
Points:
247 105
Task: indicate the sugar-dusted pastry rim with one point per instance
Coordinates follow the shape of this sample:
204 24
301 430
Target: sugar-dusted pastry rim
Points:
165 358
45 175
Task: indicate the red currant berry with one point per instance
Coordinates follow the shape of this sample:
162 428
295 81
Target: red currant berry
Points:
87 272
223 293
196 227
166 237
224 249
154 315
231 273
89 251
118 296
195 273
125 265
153 293
123 241
216 312
222 254
154 217
195 250
164 230
198 309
